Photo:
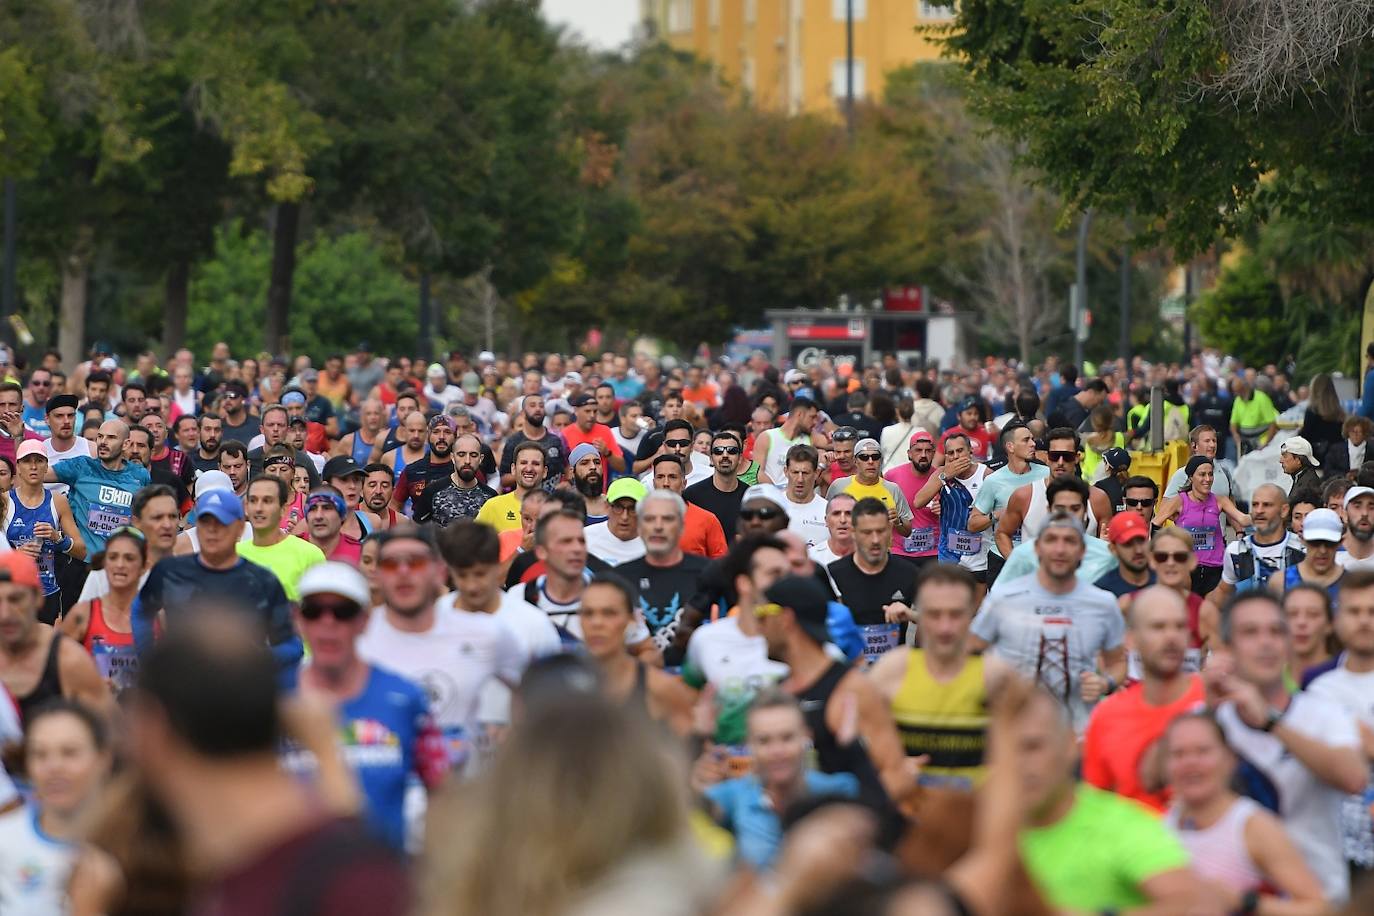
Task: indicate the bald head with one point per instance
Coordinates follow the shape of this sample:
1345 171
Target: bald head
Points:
1269 511
1159 631
1270 491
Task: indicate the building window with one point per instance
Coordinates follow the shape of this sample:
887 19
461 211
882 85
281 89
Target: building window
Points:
837 9
838 73
927 10
751 11
680 15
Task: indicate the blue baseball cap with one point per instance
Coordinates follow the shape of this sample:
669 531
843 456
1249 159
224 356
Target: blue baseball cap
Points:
292 397
222 505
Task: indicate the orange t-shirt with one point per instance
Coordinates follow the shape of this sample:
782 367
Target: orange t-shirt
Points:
1121 729
704 395
702 534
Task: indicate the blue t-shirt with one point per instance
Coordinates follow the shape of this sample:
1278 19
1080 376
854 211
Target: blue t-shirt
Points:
747 813
625 388
386 735
102 499
36 420
20 532
179 585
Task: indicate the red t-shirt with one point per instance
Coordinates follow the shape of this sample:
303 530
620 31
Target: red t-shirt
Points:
979 438
1122 728
600 432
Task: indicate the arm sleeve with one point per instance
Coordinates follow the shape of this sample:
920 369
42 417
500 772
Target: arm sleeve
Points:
986 499
904 513
1116 627
68 471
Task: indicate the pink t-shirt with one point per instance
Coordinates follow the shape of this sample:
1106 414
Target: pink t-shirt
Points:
925 524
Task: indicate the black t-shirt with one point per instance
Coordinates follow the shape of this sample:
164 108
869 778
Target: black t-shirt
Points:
664 591
319 410
1115 492
870 427
555 455
724 506
865 594
201 464
443 502
420 474
1070 414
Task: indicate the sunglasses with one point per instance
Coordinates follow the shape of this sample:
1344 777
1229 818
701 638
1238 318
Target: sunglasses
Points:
1063 456
868 456
726 450
342 611
844 434
677 443
1177 556
768 610
409 564
767 513
1138 503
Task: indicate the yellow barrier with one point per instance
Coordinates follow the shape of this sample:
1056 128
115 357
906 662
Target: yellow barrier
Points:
1160 466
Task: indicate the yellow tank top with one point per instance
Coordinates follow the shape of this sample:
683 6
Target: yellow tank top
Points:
862 491
947 721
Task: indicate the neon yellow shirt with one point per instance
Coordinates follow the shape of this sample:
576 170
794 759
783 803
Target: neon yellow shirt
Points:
288 560
1096 857
501 512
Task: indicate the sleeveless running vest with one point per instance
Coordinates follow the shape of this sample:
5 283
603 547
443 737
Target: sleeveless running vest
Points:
831 756
1292 576
1038 512
19 527
113 652
1203 521
49 686
778 444
361 450
948 721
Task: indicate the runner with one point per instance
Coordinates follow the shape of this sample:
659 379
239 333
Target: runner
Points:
1123 751
939 693
211 433
1306 748
531 429
438 466
1027 506
805 507
868 484
956 486
287 556
386 733
371 434
460 494
1129 538
1198 510
835 698
1071 496
103 626
37 663
605 617
617 539
64 443
702 534
408 635
102 488
233 462
1253 559
157 517
40 523
589 480
1019 444
771 448
877 587
1321 537
667 579
179 588
379 485
585 430
345 476
839 524
1053 627
722 493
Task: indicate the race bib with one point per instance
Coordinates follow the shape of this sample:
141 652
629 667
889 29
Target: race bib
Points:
879 639
101 520
1204 539
920 540
459 747
117 665
963 543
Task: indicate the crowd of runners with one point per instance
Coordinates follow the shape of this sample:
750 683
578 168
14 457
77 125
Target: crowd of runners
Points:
535 634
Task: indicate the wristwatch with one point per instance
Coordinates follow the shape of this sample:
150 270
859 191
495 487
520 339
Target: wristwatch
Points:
1271 719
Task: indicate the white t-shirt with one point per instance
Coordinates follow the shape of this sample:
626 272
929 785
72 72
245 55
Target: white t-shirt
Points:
1049 637
1355 694
80 449
34 868
604 545
451 661
808 519
630 445
700 470
1310 809
1269 556
537 637
1346 561
721 654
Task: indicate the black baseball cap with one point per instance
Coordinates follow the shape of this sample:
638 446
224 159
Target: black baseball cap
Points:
805 598
580 400
341 466
61 400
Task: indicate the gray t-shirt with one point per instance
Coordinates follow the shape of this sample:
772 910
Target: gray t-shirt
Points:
1221 483
1051 638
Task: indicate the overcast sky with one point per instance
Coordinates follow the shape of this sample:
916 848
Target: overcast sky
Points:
603 23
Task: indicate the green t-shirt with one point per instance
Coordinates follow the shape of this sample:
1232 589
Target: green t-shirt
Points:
288 560
1254 414
1098 855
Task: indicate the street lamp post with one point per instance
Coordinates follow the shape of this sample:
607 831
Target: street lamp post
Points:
849 66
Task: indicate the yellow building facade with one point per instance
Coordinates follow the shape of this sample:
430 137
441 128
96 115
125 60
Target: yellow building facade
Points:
789 55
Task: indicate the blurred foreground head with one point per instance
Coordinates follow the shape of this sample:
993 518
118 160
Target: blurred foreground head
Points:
583 796
207 690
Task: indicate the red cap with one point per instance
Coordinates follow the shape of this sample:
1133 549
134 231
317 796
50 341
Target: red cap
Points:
1127 526
920 436
19 568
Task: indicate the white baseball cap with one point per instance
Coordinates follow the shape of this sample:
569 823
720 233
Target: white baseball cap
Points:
333 578
1351 495
1322 525
1297 445
213 480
